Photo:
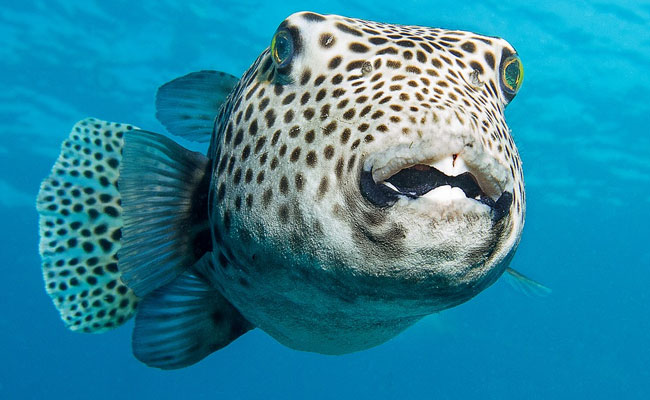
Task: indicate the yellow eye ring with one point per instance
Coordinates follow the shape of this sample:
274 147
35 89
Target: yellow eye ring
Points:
512 74
282 48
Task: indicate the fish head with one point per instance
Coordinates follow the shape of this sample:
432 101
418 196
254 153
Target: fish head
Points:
374 157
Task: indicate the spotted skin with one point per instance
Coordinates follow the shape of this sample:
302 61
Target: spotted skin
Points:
298 249
291 143
81 226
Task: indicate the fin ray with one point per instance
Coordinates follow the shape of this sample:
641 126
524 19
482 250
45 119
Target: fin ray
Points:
526 285
164 189
187 106
183 322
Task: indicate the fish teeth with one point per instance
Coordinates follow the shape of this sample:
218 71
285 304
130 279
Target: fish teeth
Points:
451 165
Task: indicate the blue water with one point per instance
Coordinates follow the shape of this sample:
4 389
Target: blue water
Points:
581 122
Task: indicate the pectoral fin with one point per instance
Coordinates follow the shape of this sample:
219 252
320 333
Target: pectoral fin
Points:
164 189
524 284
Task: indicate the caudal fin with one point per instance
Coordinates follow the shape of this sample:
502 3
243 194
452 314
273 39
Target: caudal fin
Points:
80 218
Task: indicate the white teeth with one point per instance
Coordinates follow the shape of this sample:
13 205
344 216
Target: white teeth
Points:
445 193
391 186
451 166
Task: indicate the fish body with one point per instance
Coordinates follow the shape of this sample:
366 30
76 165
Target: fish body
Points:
359 177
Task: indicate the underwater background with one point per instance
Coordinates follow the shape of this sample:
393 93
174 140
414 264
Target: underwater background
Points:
581 122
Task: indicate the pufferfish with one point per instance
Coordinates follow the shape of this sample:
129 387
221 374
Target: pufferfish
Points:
359 176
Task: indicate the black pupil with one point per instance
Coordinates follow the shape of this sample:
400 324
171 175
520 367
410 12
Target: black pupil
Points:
282 48
512 74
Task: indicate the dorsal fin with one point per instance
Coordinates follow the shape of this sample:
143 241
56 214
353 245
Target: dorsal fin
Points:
187 106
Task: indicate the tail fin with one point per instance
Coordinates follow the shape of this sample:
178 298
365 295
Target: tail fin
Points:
80 218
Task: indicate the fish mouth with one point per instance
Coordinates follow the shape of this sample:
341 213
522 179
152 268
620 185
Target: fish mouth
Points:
412 181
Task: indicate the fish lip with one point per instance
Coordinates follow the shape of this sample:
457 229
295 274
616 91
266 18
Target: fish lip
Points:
493 178
382 195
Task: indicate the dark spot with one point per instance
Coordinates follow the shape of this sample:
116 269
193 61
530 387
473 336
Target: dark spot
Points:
326 40
393 64
111 211
345 135
313 17
387 50
283 213
238 138
252 129
246 152
288 99
328 152
339 168
295 154
304 78
321 95
344 28
284 185
354 65
335 62
489 58
294 131
468 47
260 144
116 235
263 104
267 196
299 181
359 47
329 128
476 66
311 158
377 40
323 186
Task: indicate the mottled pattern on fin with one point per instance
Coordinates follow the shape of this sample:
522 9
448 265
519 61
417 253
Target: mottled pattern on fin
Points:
183 322
164 189
187 106
80 229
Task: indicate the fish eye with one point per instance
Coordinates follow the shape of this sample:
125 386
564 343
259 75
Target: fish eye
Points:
512 75
282 48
